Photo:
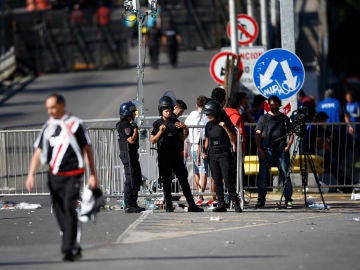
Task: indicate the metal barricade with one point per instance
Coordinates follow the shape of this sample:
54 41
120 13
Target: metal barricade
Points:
16 149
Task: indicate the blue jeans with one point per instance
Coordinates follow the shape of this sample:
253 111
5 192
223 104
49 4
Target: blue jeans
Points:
281 160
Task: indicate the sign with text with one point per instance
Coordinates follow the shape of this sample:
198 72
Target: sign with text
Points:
248 56
278 72
217 66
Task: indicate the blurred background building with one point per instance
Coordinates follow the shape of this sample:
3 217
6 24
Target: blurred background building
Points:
43 37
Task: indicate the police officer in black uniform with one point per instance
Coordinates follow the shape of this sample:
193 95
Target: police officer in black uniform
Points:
128 137
169 135
154 41
172 38
220 138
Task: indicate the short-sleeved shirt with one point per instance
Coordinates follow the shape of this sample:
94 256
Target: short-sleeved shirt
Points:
125 130
219 141
102 16
195 118
273 131
353 110
332 107
171 36
170 140
61 142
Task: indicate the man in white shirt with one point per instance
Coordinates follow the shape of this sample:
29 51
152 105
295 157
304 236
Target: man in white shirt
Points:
193 146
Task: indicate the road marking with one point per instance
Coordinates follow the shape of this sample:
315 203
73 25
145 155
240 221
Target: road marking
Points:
157 226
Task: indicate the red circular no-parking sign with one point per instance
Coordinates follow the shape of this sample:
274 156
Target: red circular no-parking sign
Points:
247 31
217 66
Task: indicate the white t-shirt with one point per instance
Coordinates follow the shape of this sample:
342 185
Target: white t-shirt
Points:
196 118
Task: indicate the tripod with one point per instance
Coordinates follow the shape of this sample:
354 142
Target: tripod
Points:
305 160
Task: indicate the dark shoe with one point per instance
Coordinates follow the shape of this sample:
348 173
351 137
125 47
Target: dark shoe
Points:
132 210
237 205
220 208
140 208
289 205
70 257
259 204
238 210
168 209
195 208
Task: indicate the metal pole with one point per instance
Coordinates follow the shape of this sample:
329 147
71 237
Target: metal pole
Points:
287 27
140 69
233 27
264 23
3 35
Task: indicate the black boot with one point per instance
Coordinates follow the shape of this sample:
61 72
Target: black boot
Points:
237 206
221 207
129 206
195 208
133 202
135 205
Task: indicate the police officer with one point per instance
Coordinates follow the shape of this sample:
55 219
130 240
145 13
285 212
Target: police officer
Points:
169 135
154 41
128 138
220 137
172 39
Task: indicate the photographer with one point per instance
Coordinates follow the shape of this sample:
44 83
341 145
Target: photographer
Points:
273 144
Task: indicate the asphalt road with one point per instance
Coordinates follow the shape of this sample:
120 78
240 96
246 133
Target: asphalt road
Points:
98 94
269 238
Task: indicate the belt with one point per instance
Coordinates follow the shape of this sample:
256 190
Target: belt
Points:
71 173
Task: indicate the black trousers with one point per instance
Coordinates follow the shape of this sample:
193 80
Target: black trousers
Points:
170 162
133 177
222 168
65 193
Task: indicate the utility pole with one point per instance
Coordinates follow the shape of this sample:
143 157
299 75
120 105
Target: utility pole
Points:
233 27
287 27
133 7
3 35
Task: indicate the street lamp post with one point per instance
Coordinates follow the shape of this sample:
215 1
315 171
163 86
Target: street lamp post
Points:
133 7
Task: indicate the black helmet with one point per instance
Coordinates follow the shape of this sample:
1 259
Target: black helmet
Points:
165 102
127 108
212 107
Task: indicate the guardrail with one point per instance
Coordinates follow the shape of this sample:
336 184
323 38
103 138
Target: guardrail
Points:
7 64
16 148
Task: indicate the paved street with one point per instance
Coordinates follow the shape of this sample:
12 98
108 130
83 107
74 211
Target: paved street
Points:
269 238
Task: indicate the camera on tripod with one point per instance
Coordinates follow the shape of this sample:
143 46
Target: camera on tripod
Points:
296 123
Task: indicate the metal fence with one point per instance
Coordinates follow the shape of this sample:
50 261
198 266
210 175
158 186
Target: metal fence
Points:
340 170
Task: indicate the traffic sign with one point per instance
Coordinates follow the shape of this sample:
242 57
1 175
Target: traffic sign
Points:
247 31
217 66
248 56
278 72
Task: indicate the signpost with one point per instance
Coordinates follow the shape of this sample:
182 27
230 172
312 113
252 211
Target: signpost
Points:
248 56
248 29
217 66
278 72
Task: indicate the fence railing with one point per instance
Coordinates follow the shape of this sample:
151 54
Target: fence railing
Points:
340 168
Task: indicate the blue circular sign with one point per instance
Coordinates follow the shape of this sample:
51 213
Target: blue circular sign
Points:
278 72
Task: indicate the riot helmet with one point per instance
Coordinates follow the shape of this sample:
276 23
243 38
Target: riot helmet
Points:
212 107
127 108
165 102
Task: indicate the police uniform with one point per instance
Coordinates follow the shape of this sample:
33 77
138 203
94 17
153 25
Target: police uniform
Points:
130 158
61 143
170 160
221 160
172 44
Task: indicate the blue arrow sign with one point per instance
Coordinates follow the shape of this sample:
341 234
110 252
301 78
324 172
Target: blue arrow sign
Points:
278 72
